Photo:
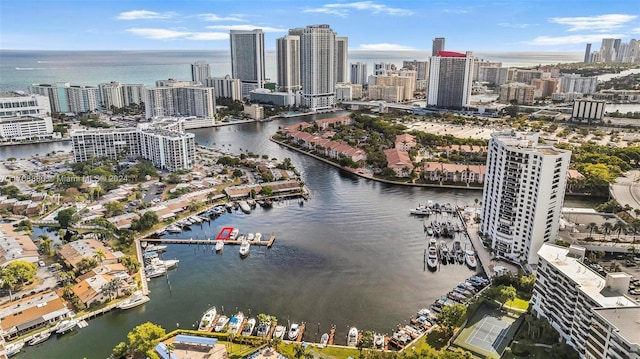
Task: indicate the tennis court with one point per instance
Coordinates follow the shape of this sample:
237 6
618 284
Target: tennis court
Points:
487 333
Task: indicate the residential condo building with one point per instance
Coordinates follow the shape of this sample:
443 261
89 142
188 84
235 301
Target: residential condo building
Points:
342 59
200 71
318 67
247 58
56 92
115 94
588 110
24 117
359 73
225 87
288 63
450 79
522 94
180 101
437 46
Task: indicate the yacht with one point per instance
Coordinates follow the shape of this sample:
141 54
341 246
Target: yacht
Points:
155 271
421 210
219 245
234 234
279 331
294 331
172 228
155 248
251 237
470 258
208 319
432 258
444 252
258 237
378 340
244 248
236 322
324 339
352 338
222 321
13 348
248 326
66 325
433 242
40 337
244 206
137 299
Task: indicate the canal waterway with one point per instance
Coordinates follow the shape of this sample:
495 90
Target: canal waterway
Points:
350 256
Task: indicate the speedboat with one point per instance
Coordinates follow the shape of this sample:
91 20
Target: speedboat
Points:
40 337
244 248
263 329
251 237
137 299
433 242
66 325
279 331
234 234
258 237
421 210
444 252
248 326
13 348
208 319
155 271
235 322
352 338
294 331
155 248
470 258
324 339
219 246
222 321
378 340
172 228
432 258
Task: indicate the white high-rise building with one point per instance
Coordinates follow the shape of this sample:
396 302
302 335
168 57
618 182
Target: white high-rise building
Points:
56 92
450 79
614 334
225 87
16 104
318 62
180 101
359 73
120 95
200 70
576 83
523 194
342 59
288 63
568 293
83 99
24 117
383 68
607 50
247 58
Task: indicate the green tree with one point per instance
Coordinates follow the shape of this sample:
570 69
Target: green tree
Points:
451 316
18 273
99 255
86 264
130 263
65 216
113 208
143 339
266 190
505 294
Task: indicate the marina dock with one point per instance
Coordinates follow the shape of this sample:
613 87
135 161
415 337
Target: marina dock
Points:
209 241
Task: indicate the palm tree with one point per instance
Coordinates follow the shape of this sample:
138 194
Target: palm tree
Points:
591 227
619 227
606 229
45 246
99 255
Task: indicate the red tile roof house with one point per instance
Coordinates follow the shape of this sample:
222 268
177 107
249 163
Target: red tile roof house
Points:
399 161
405 142
450 172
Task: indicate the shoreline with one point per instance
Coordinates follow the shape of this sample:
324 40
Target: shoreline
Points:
34 142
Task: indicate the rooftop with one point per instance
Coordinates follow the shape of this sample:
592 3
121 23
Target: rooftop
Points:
626 320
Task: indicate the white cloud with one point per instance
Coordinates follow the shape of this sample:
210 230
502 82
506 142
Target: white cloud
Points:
594 23
168 34
635 30
144 14
571 39
385 47
343 9
246 28
214 17
515 26
457 11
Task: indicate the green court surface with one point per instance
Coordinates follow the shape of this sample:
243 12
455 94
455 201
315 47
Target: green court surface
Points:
487 333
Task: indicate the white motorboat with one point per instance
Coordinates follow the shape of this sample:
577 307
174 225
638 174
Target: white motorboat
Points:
244 248
258 237
444 252
137 299
40 337
421 210
249 326
263 329
13 348
244 206
66 325
352 338
236 322
155 248
432 258
172 228
251 237
219 245
378 340
433 242
234 234
155 271
208 319
294 331
169 263
324 339
222 321
279 331
470 258
195 219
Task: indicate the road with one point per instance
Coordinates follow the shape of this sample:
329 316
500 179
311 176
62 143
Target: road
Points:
626 190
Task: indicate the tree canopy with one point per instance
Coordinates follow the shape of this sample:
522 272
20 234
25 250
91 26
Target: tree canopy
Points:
141 341
18 273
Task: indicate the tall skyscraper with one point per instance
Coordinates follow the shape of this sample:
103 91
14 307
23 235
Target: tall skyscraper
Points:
288 63
523 195
342 59
359 73
438 45
318 66
56 92
199 71
587 54
421 67
247 58
450 79
607 51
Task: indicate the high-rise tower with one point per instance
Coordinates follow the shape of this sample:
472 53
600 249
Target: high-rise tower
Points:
200 71
342 59
318 66
587 54
359 73
437 46
450 79
247 58
288 63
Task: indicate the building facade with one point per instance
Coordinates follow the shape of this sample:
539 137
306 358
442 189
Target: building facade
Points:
225 87
16 103
576 83
318 62
115 94
421 68
437 46
359 73
247 58
83 99
24 117
523 195
288 63
180 101
450 79
200 71
522 94
56 92
342 59
614 334
588 110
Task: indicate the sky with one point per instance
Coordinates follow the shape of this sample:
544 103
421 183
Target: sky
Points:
382 25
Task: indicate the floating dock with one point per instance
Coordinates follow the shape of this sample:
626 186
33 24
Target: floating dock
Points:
208 241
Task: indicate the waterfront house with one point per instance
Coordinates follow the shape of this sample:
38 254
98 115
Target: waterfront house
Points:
450 172
124 220
30 313
399 161
73 252
405 142
90 287
15 246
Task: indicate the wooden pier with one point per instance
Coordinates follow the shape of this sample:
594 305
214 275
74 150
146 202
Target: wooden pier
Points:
211 242
302 328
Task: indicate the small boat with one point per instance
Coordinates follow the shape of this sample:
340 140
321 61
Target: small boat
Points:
219 246
207 320
172 228
258 237
13 348
421 210
244 206
263 329
432 258
155 248
155 271
378 340
195 219
40 337
324 339
470 258
433 242
234 234
66 325
424 312
137 299
222 321
169 263
248 326
244 248
235 322
352 337
294 331
279 331
251 237
267 203
444 252
251 203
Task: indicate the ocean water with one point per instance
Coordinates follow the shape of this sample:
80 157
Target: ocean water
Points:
19 68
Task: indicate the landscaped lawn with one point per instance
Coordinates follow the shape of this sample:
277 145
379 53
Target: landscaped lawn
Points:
518 303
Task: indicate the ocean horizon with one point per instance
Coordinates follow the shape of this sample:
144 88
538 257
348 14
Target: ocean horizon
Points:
20 68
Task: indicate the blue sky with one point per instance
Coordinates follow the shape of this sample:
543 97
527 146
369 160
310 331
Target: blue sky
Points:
478 25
